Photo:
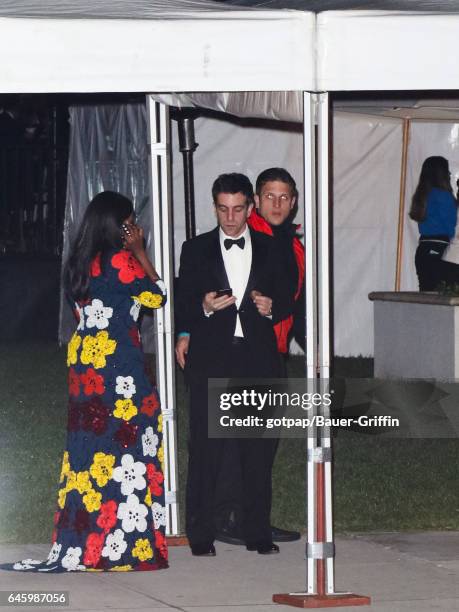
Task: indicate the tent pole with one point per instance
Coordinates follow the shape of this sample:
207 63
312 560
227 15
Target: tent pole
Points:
159 145
401 208
320 551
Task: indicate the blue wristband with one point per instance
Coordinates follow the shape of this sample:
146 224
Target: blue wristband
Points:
183 334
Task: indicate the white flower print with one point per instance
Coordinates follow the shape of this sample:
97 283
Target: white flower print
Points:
135 309
115 544
161 285
132 514
81 317
25 564
130 475
54 553
71 560
125 386
159 515
149 442
98 315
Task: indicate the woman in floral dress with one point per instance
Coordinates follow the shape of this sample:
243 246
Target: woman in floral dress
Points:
110 513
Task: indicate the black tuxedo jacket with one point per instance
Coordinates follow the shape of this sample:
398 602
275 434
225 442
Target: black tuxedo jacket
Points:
202 270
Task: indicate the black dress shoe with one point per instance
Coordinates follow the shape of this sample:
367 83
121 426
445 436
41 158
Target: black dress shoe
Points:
283 535
264 548
230 534
203 550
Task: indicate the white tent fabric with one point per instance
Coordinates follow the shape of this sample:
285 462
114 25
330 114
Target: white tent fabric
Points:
366 163
279 105
383 50
162 46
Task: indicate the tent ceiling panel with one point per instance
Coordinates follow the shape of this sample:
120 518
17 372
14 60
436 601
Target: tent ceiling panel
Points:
426 109
380 50
198 51
278 105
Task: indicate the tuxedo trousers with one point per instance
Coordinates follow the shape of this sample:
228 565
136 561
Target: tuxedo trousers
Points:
252 458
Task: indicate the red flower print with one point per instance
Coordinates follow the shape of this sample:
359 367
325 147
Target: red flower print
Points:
93 382
126 434
161 544
128 266
81 520
155 479
150 403
56 517
94 545
63 520
95 268
134 336
54 536
73 421
107 515
74 383
94 416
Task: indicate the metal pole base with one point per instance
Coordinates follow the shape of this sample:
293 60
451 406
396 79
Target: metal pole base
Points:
335 600
177 540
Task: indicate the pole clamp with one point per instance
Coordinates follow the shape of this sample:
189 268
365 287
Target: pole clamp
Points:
320 454
320 550
170 497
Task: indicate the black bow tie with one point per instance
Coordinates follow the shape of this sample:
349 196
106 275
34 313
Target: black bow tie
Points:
228 242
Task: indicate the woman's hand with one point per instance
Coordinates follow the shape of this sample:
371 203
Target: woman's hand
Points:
132 236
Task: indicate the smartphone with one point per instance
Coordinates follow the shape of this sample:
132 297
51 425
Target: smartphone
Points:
222 292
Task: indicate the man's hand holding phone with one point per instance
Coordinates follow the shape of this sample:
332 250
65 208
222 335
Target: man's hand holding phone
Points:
217 300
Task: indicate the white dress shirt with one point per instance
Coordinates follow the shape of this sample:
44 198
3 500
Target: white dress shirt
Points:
237 263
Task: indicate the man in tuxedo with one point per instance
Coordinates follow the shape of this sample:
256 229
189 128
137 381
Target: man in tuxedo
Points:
229 336
275 204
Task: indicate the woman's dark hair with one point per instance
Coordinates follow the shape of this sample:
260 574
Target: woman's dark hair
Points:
434 173
100 231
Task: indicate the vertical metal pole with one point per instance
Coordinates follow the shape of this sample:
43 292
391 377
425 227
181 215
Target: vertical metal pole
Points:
159 139
311 311
323 181
401 209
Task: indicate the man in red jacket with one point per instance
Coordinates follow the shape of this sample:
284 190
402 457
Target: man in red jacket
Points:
276 199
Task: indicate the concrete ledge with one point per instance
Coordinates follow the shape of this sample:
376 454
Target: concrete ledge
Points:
414 297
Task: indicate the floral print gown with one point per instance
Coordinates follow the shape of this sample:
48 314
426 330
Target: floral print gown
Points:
111 513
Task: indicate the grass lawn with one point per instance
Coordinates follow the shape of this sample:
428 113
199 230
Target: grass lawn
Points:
379 484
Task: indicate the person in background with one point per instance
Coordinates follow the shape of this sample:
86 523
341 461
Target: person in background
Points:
434 207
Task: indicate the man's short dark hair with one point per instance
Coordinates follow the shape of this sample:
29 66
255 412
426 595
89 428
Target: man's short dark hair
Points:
276 174
232 183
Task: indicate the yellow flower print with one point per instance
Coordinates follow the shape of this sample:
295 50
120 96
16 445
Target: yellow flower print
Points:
102 468
61 498
83 484
125 409
96 348
72 349
71 481
160 423
121 568
149 299
160 456
92 500
147 499
65 466
142 550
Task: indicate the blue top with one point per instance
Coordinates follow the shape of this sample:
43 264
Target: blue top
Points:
441 214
